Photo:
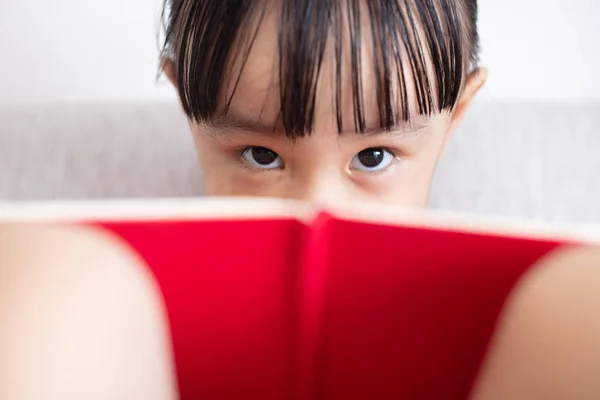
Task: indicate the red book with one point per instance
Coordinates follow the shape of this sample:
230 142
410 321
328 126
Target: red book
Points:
275 300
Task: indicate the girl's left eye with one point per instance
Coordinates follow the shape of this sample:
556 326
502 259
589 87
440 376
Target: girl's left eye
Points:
372 159
262 158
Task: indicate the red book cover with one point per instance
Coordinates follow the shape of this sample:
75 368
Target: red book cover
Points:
275 300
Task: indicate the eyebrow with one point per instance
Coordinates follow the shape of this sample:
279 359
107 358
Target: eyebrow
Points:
224 123
232 122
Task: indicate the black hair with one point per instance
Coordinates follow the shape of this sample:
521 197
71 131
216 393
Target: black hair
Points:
436 41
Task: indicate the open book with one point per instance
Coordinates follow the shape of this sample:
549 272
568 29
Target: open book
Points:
270 299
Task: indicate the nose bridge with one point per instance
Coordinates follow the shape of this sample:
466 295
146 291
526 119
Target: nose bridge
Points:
322 186
317 176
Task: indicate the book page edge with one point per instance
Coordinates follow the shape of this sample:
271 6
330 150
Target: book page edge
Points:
136 210
473 224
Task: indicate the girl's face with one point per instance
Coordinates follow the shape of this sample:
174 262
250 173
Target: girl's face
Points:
246 153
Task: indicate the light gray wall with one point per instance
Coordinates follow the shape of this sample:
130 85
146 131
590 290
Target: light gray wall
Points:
90 49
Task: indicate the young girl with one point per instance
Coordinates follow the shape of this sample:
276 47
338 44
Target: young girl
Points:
323 100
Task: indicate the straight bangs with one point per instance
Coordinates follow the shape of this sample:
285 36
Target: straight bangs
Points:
420 51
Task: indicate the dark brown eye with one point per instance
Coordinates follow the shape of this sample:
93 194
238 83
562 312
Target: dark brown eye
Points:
372 159
263 158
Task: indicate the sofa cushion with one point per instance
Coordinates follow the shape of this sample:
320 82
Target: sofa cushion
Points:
539 161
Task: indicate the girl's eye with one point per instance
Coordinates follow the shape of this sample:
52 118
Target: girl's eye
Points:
373 159
262 158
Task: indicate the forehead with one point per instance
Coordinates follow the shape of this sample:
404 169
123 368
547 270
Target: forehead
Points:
356 66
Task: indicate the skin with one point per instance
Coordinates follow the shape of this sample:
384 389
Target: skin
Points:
547 345
81 318
322 168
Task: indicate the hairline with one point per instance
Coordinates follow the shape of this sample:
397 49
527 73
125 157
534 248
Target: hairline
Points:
236 49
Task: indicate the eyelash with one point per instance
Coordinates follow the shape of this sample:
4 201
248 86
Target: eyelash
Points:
395 155
239 153
391 151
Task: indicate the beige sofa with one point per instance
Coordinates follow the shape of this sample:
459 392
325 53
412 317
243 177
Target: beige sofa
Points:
539 161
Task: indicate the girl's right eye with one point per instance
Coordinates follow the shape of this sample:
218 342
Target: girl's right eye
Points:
262 158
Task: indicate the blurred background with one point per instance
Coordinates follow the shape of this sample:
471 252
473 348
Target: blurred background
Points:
78 95
90 49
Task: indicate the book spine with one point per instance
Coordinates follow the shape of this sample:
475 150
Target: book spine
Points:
311 295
